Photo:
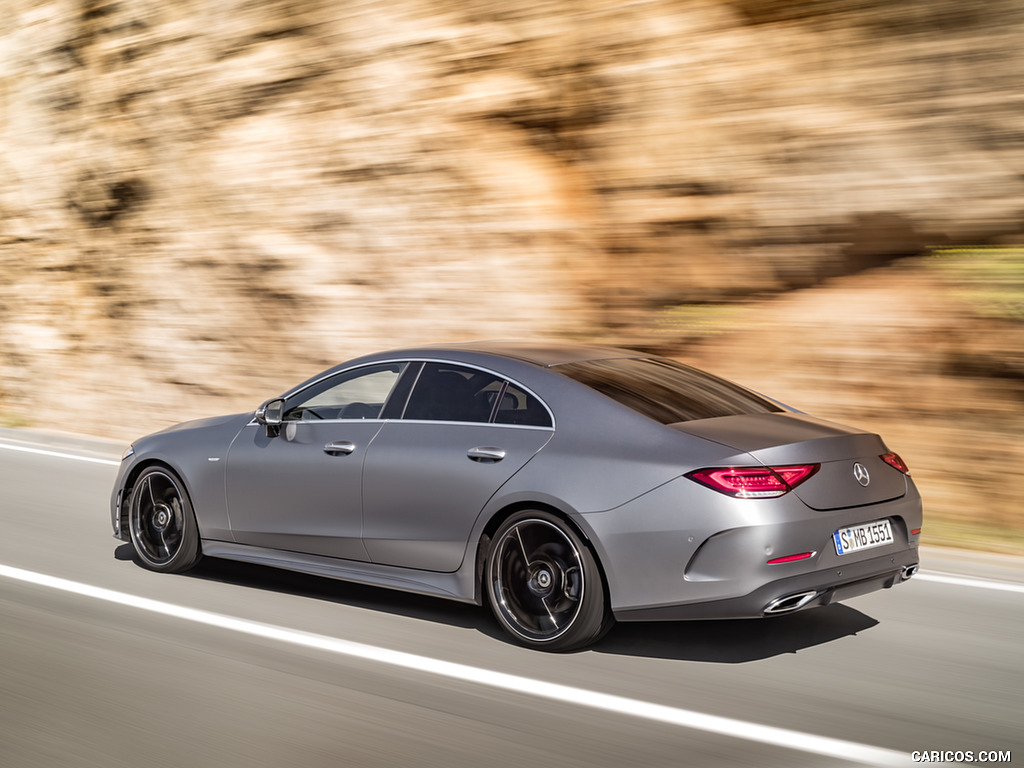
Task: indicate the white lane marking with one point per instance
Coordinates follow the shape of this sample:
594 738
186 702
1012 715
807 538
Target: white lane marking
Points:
58 454
738 729
962 581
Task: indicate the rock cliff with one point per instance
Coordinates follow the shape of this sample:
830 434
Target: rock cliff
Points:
202 202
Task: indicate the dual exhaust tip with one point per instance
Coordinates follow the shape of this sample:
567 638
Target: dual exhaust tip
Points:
795 602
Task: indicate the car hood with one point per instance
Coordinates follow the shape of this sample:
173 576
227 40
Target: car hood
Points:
779 439
241 419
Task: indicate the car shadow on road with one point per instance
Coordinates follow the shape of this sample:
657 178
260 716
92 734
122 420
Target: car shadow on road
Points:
734 641
730 641
378 599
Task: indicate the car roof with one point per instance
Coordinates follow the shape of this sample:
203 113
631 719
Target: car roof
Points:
544 354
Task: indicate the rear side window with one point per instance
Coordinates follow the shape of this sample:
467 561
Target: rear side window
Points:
447 392
665 390
522 408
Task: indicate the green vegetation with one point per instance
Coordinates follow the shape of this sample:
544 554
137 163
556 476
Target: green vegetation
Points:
14 420
989 279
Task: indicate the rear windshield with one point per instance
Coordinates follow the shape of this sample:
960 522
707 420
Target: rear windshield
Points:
665 390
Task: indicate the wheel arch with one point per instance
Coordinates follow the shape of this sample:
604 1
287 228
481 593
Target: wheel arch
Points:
132 477
143 465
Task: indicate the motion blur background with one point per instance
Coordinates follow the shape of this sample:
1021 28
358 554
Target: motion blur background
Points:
203 202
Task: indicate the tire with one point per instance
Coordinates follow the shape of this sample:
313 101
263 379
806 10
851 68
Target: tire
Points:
162 523
544 585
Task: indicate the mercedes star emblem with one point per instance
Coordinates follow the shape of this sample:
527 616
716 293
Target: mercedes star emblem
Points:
861 473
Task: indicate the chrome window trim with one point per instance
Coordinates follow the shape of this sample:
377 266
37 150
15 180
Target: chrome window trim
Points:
311 422
471 423
407 360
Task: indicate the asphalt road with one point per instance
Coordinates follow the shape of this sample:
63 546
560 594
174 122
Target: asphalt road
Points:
235 665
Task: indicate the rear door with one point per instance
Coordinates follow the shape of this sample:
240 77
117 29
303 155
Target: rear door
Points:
428 475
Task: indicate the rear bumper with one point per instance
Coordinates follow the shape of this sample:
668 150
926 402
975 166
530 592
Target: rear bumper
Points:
819 588
684 551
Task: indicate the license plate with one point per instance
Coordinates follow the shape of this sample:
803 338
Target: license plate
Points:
865 536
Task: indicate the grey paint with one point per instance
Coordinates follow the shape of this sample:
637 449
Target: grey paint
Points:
668 546
287 492
422 492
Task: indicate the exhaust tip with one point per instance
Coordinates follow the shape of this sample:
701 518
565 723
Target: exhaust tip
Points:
789 603
909 570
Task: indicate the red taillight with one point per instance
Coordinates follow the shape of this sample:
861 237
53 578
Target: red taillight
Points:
894 460
754 482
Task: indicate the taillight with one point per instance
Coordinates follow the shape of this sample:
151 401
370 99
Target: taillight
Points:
754 482
894 460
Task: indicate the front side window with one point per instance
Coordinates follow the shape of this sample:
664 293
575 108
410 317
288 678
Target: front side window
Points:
665 390
358 394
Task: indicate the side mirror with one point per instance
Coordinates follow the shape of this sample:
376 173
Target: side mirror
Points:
270 415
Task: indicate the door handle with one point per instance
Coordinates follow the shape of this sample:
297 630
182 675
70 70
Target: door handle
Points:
341 446
486 454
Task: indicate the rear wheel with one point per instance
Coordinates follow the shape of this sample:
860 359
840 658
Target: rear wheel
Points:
544 585
161 522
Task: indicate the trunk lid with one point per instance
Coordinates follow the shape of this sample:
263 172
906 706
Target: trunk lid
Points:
781 439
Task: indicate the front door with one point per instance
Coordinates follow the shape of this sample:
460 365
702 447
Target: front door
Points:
300 490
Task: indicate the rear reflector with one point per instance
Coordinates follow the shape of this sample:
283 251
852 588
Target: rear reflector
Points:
894 460
791 558
754 482
915 532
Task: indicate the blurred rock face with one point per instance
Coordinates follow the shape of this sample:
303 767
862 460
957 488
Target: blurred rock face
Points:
206 199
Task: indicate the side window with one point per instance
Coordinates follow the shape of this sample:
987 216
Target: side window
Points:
518 407
358 394
446 392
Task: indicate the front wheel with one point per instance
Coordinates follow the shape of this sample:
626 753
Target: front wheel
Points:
544 585
162 524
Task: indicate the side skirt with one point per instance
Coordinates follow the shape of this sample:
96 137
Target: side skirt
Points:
447 585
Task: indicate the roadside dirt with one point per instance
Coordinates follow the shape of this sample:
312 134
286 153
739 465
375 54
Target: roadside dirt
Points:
204 203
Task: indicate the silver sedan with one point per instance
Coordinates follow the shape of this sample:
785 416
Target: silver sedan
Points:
567 487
